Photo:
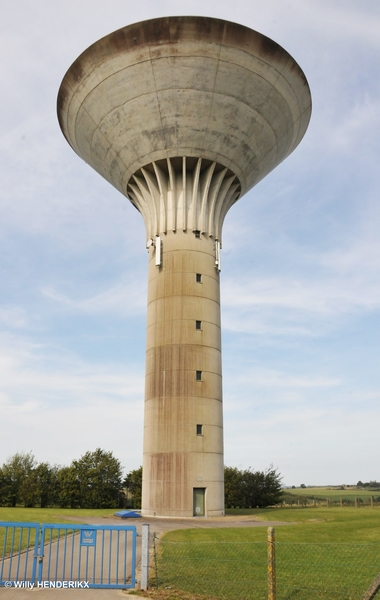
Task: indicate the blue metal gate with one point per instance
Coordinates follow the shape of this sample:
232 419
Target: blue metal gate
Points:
19 550
67 556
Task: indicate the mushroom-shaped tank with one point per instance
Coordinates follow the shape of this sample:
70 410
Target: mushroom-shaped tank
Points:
184 86
183 115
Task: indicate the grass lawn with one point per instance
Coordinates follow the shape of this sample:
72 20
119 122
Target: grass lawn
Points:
322 553
320 524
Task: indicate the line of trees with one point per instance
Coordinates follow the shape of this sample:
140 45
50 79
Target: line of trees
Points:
251 489
133 487
93 481
96 481
242 489
369 484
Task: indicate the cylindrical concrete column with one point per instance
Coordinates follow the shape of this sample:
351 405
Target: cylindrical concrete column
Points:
183 423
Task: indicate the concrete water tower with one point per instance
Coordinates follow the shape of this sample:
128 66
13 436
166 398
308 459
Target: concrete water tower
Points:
183 115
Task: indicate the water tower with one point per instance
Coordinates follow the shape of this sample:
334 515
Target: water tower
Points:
183 115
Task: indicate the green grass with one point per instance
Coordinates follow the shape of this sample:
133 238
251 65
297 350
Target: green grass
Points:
51 515
311 525
322 553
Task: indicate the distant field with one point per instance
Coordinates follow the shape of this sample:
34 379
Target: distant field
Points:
335 494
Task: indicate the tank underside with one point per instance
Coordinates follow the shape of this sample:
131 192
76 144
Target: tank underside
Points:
184 86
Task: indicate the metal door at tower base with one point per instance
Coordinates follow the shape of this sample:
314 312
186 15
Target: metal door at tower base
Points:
199 502
69 556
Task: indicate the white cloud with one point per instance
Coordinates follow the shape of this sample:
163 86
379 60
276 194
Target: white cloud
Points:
311 290
309 445
60 407
126 298
285 307
357 129
13 317
65 432
343 20
273 379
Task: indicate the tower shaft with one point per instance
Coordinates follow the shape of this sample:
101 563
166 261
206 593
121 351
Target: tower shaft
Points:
183 201
183 422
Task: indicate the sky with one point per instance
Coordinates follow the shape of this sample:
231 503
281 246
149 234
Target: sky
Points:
300 280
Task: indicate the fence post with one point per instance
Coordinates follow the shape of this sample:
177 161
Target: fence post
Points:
373 589
144 557
271 546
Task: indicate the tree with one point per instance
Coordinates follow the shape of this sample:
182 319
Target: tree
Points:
39 487
29 491
47 484
133 485
99 476
251 489
233 487
68 488
2 488
15 472
93 481
262 488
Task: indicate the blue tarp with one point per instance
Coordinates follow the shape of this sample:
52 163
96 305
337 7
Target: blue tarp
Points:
128 514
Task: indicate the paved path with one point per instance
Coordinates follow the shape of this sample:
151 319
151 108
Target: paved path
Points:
162 525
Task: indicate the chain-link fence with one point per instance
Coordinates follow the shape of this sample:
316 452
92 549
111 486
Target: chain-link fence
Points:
267 570
347 501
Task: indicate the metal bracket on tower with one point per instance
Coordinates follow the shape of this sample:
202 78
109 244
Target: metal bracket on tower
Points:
217 255
158 251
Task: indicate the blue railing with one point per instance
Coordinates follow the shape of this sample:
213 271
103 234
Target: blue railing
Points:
101 556
19 547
